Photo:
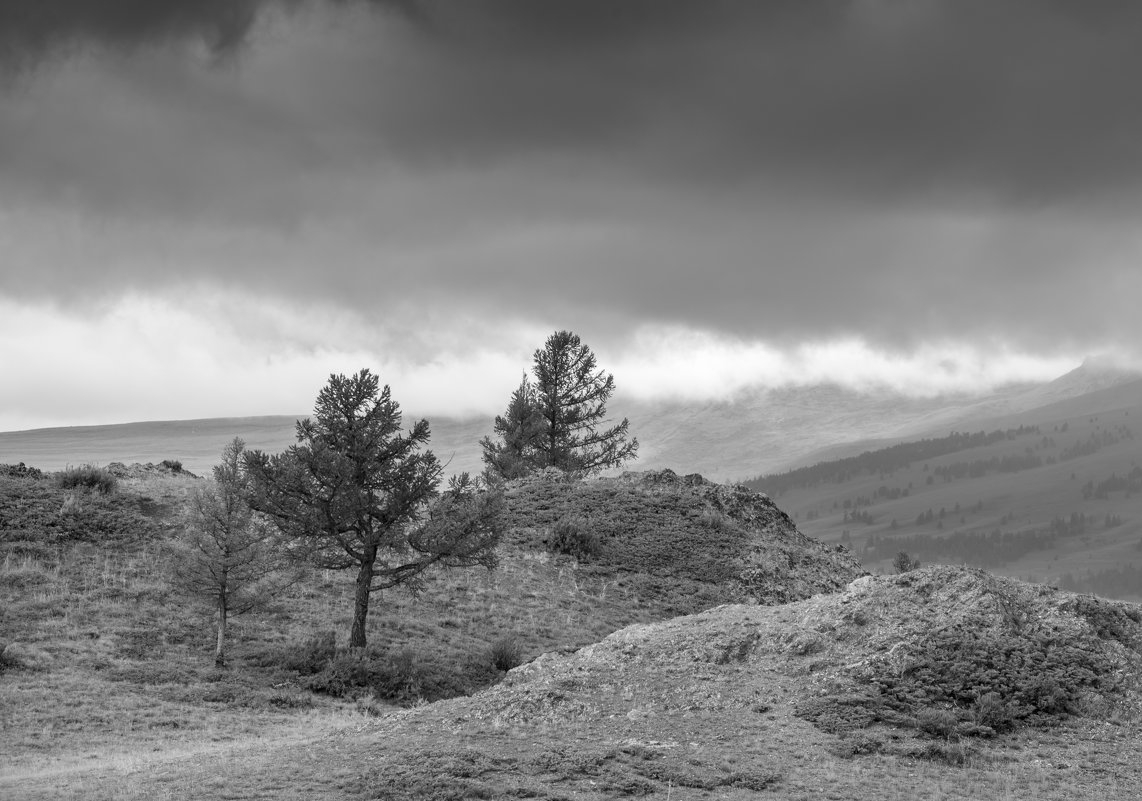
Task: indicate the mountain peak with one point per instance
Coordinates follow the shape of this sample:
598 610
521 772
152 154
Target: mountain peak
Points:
1097 372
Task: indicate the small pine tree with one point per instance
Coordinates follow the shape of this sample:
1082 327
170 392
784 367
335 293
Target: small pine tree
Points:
905 563
518 429
227 553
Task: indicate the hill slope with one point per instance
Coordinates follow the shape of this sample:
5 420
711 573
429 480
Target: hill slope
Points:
1056 496
944 683
88 613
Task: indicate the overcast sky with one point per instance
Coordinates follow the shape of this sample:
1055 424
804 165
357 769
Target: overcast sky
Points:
208 206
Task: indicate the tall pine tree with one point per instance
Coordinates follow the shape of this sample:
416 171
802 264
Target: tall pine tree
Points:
556 422
356 493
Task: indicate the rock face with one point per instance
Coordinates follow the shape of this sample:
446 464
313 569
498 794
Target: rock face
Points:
730 543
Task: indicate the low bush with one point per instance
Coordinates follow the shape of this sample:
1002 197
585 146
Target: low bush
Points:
1029 674
507 653
87 476
990 710
402 677
20 470
174 465
936 722
313 656
904 563
344 673
574 536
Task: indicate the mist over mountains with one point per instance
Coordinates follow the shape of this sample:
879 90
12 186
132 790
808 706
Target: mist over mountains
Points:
753 433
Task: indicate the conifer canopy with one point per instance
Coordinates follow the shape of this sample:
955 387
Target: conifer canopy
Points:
557 418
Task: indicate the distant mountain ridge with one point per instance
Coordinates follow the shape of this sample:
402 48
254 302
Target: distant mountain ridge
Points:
753 433
198 443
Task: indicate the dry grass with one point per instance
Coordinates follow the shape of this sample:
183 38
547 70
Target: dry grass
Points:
132 708
130 660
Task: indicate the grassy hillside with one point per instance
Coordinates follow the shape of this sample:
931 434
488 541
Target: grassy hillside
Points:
1055 496
104 661
945 683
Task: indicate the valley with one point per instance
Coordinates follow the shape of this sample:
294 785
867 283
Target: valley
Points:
1053 494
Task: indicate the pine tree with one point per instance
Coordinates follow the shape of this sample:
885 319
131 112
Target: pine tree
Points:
227 553
356 493
514 454
555 421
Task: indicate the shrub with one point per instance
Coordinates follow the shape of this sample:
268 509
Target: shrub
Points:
507 653
854 744
313 656
20 470
905 563
1008 678
575 537
990 710
398 678
87 476
936 722
174 465
345 672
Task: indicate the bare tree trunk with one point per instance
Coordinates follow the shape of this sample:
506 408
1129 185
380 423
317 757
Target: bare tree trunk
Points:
361 601
219 650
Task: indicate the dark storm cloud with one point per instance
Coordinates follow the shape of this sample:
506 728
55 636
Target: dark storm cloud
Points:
1026 100
29 29
894 168
1022 101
